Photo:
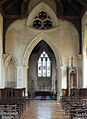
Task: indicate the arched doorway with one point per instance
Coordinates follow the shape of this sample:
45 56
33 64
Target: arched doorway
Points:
42 75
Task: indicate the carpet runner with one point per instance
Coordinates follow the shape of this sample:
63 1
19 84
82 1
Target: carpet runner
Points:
43 98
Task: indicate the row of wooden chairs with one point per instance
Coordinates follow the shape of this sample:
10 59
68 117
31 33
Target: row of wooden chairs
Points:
9 111
12 108
75 106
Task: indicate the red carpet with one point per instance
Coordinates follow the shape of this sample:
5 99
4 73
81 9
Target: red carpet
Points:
43 98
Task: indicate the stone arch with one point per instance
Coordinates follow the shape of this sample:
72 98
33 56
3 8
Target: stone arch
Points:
34 42
48 9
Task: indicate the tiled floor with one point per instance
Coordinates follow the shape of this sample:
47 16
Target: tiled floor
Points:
39 109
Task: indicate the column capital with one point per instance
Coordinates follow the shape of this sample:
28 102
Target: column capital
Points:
59 66
23 66
26 67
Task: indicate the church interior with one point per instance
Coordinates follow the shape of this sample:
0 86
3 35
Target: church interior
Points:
43 59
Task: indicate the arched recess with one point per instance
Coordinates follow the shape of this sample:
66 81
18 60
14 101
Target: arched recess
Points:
42 7
11 71
34 42
85 60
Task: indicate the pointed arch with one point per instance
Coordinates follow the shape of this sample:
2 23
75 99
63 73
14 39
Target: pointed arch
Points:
34 42
28 51
8 60
42 6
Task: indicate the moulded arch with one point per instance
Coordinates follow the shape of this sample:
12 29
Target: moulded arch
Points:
47 8
34 42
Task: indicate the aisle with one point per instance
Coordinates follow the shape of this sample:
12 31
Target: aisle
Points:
39 109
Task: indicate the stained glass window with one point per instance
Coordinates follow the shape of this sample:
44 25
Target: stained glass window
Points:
39 67
44 65
48 67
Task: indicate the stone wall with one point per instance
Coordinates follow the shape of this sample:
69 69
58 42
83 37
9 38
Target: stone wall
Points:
84 43
1 51
33 3
64 39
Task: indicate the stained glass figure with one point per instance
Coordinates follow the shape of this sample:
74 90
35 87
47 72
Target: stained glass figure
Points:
39 68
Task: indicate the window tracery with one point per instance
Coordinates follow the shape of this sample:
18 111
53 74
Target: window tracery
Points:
44 65
42 21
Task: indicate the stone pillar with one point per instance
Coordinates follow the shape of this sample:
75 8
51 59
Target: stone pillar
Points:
20 77
58 83
64 77
84 71
4 70
25 79
53 77
80 70
1 52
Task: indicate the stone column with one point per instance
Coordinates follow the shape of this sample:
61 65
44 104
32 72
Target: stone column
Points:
64 77
58 82
4 70
20 77
25 79
84 67
80 70
53 76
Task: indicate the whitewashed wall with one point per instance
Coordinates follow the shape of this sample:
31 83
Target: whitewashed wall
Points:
65 37
84 41
1 52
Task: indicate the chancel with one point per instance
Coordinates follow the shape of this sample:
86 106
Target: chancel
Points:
43 59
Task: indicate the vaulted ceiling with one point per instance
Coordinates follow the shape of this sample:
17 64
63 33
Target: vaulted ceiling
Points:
71 10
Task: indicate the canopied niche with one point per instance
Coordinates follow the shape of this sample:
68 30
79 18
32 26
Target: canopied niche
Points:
11 72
